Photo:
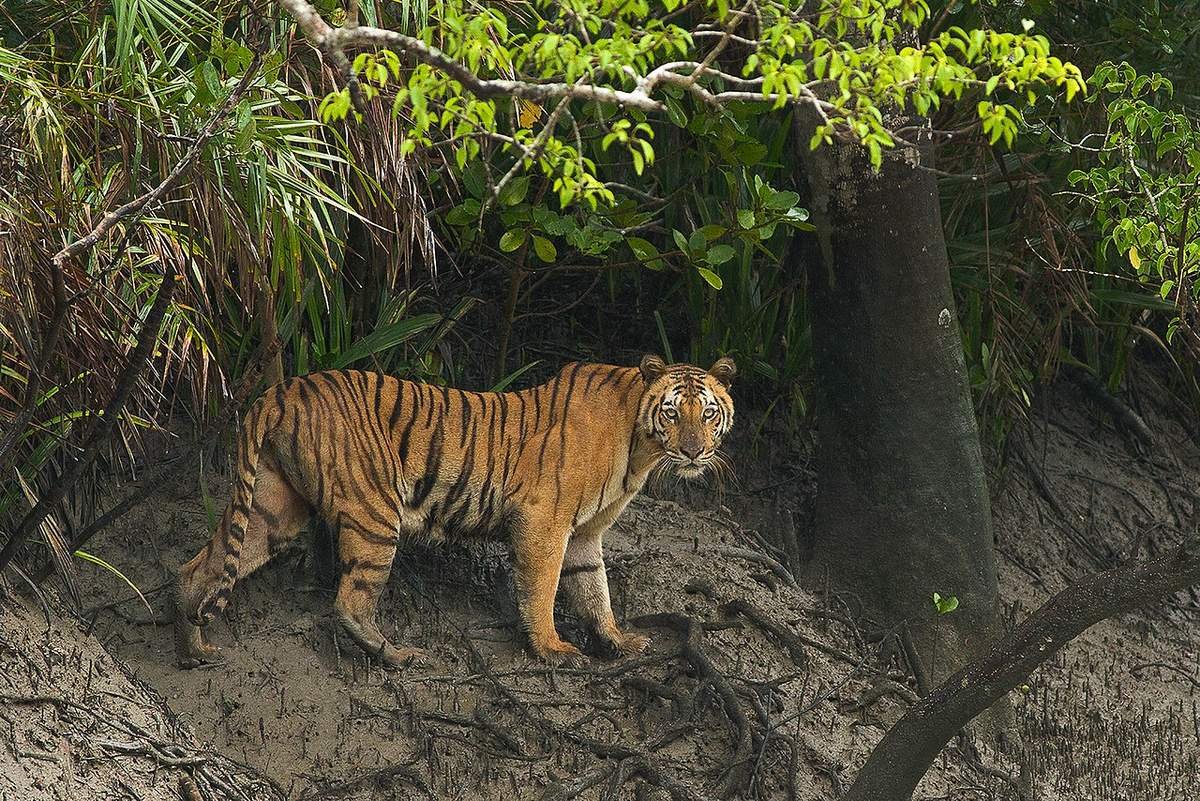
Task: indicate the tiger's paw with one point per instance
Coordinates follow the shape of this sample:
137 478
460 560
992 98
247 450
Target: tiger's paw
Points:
628 644
192 650
395 658
560 654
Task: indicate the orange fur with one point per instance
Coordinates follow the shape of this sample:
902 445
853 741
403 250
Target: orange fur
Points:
379 459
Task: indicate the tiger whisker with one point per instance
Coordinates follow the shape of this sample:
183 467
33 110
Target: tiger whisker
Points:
724 466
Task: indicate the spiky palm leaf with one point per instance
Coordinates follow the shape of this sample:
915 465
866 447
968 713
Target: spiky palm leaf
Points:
97 104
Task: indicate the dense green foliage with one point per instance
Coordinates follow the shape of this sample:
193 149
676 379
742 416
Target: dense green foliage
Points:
364 241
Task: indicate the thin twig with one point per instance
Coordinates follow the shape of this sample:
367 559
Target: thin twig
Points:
102 425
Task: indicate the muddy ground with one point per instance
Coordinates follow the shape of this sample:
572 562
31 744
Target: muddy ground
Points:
775 690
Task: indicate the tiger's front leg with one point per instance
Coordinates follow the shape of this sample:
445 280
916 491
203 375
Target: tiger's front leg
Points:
538 547
586 581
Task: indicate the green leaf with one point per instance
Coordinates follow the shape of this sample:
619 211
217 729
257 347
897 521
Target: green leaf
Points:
712 278
680 239
675 113
515 191
945 605
696 243
749 153
512 239
782 200
210 78
505 382
719 254
463 214
245 137
745 218
384 338
544 249
243 116
643 249
474 181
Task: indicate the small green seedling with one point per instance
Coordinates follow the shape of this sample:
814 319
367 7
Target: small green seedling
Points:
945 605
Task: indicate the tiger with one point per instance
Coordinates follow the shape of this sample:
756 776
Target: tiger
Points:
380 459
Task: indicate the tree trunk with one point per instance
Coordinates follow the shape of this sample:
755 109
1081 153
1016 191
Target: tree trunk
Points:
902 504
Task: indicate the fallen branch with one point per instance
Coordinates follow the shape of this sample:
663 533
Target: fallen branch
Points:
383 777
639 759
1121 412
493 730
881 688
761 559
209 768
904 755
776 630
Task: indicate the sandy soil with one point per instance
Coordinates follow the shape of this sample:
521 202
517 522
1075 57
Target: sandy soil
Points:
75 724
482 719
1113 717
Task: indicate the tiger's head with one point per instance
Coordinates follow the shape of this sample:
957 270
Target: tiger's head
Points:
687 411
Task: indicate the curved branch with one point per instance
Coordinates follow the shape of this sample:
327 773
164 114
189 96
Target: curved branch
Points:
905 753
136 206
336 41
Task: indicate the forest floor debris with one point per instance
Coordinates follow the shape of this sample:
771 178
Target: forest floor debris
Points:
754 683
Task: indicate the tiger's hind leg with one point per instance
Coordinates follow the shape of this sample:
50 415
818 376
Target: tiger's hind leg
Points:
277 514
366 562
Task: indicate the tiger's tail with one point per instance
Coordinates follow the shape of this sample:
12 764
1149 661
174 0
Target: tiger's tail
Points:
203 594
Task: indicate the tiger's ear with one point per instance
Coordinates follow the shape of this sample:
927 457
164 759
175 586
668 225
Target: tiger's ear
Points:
723 370
652 367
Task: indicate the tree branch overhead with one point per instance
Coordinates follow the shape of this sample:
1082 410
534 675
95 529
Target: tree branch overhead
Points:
335 41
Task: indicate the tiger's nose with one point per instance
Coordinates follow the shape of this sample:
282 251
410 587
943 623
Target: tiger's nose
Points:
691 451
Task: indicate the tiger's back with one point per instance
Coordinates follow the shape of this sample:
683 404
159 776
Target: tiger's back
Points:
381 458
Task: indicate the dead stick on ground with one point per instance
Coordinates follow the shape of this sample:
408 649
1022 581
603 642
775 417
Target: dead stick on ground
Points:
762 559
385 774
641 762
779 632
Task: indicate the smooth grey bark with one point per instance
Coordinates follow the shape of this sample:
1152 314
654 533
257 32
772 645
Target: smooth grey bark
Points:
902 503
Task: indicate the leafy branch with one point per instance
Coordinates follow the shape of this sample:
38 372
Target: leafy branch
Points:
855 63
336 41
